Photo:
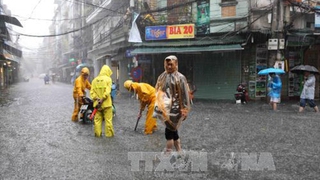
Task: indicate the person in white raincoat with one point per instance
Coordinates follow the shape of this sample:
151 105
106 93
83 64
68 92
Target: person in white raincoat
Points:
307 94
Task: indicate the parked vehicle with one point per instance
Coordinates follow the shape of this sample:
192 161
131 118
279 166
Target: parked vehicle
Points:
89 111
241 95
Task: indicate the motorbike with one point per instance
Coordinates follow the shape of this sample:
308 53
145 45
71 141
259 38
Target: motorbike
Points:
241 95
89 111
46 79
86 109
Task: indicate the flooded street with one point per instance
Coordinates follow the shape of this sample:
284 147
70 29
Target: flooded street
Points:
39 140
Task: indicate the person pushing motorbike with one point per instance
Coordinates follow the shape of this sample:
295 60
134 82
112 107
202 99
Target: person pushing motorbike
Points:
101 96
147 97
80 85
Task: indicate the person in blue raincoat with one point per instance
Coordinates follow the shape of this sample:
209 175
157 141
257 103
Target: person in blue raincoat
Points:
275 86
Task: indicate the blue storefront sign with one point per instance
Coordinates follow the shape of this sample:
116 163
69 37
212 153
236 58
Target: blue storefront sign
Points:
156 32
128 53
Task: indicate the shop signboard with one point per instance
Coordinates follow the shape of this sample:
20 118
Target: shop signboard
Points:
156 32
180 31
203 17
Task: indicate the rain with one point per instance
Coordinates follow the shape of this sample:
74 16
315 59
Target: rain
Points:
39 140
50 41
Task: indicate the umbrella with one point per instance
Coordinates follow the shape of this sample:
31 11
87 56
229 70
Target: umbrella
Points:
302 68
271 70
80 66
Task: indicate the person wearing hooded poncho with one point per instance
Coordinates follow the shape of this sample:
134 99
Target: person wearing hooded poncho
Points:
275 86
147 97
80 85
100 94
307 93
172 101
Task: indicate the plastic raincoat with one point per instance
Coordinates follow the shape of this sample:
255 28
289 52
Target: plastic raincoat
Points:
172 101
275 87
147 97
308 88
80 85
101 88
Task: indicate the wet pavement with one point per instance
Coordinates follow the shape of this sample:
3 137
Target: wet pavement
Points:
230 141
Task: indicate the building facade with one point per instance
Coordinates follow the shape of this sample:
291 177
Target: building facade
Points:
10 53
219 43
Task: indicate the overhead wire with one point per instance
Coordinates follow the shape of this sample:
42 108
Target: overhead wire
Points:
89 25
68 32
144 12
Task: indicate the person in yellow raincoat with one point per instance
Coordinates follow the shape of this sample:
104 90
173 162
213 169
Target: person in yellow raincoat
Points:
80 85
172 102
100 94
147 97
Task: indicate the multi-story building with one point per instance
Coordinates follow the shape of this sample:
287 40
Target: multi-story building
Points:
110 24
9 53
206 36
233 41
73 37
219 43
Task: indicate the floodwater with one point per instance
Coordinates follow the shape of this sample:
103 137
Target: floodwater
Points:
39 140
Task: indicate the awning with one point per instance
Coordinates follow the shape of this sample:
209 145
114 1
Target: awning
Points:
7 19
204 41
300 40
12 50
189 49
11 20
9 57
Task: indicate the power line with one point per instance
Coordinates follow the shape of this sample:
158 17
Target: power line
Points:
82 2
68 32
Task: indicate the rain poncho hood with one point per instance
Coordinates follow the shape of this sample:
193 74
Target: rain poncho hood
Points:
84 71
81 84
101 87
173 59
105 71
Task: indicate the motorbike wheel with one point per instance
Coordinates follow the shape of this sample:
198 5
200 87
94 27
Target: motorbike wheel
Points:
86 117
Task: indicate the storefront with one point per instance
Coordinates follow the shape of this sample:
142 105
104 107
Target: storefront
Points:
9 69
215 70
301 49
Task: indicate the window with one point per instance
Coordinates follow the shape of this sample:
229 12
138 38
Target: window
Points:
228 8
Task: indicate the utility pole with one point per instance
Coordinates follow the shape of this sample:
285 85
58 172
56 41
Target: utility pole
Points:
277 31
83 36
